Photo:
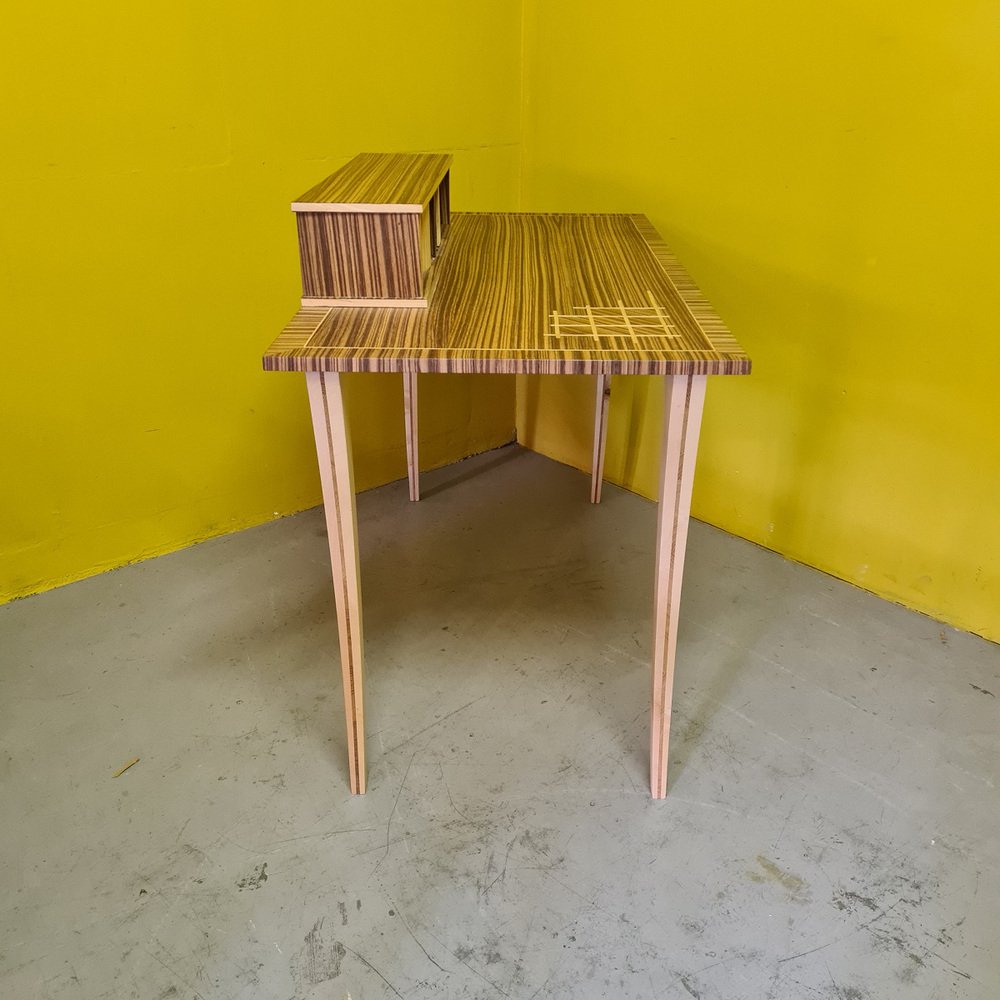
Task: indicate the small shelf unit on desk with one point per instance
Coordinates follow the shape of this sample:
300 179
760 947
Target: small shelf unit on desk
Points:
370 232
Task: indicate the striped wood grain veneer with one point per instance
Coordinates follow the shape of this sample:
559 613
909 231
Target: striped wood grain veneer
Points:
530 293
370 232
362 256
378 182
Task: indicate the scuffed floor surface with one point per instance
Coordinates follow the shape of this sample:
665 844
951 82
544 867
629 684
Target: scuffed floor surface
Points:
830 831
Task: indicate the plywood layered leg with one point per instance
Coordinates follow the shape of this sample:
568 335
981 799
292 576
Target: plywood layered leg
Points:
600 435
333 449
684 399
412 450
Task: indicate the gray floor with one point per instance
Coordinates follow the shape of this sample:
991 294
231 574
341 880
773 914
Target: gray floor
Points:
831 826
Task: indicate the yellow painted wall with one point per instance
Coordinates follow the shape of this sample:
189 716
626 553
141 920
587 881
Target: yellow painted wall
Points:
148 255
828 173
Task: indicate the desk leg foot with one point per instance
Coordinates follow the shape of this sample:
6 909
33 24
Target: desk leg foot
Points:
333 449
410 415
684 399
600 435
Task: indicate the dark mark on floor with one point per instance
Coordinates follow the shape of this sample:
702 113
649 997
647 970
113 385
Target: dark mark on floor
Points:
976 687
343 913
888 941
951 965
255 879
851 993
318 962
427 954
844 900
388 824
687 985
361 958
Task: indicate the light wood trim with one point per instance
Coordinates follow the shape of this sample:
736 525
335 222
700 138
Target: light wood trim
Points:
601 405
412 441
378 183
125 767
315 303
333 451
684 400
360 208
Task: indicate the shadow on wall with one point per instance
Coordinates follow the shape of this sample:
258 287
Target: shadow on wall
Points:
556 416
375 412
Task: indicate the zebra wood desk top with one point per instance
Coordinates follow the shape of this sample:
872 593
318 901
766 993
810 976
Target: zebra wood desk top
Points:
378 183
529 293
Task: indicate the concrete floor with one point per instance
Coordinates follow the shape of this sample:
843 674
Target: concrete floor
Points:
831 826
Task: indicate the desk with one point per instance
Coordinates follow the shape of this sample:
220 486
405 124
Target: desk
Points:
523 293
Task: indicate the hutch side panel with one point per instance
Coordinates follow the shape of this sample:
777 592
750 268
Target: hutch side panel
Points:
360 255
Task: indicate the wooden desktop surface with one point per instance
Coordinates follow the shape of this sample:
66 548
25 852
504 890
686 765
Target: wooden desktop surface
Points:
378 182
529 293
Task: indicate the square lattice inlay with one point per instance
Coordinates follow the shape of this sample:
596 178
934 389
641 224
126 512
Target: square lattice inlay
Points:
610 325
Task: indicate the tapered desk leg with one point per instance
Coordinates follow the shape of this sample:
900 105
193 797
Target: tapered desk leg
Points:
600 435
684 399
412 452
333 449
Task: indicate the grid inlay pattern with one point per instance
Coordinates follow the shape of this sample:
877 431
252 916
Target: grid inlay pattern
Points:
613 327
